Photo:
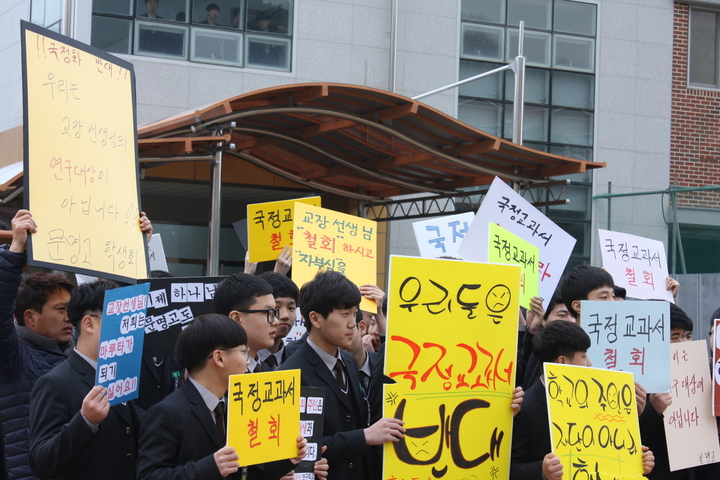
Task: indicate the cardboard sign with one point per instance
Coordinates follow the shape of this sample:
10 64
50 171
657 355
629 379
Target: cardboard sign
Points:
441 236
81 168
156 254
594 426
173 303
630 337
716 368
637 264
312 413
270 227
503 206
330 240
263 417
690 429
504 247
121 342
451 348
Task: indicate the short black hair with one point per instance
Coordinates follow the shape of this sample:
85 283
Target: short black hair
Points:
282 286
160 274
358 317
88 297
620 292
34 292
715 314
582 280
238 292
560 338
326 292
679 320
204 335
555 300
212 6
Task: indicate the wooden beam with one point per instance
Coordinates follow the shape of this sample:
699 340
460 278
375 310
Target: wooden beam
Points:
480 147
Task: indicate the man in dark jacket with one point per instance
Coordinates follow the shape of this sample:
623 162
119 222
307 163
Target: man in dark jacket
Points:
33 348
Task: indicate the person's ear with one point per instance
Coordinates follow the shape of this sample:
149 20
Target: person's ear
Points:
576 306
314 318
237 316
29 317
87 324
362 326
217 358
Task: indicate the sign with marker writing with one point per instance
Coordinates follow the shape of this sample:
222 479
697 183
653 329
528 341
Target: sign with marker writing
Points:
594 426
263 415
690 428
270 227
330 240
121 342
504 207
173 303
630 337
81 168
451 348
637 264
312 413
441 236
504 247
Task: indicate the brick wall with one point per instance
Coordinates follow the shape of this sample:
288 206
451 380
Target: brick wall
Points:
695 131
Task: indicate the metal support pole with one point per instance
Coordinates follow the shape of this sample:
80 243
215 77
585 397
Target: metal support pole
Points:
609 206
214 226
519 99
677 237
393 44
462 82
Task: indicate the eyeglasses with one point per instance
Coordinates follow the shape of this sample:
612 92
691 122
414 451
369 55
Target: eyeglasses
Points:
246 352
272 313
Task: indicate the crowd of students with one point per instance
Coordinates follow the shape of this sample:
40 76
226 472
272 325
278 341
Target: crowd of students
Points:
57 424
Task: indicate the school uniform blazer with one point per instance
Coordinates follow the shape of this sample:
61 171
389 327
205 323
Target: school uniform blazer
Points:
346 415
62 445
178 440
531 436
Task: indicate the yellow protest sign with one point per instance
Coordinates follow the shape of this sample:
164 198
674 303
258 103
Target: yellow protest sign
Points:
263 416
594 426
451 348
506 247
81 169
330 240
270 227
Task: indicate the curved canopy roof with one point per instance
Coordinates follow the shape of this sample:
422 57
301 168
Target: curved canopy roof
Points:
353 141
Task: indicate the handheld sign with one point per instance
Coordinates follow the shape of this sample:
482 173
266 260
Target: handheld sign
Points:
173 303
263 420
270 227
504 247
330 240
441 236
594 426
631 337
690 428
637 264
312 414
503 206
451 348
81 168
156 253
121 342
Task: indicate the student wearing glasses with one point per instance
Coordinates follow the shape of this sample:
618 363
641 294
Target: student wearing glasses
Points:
249 301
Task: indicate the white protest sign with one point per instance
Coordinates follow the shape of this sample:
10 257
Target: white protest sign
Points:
441 236
156 253
690 429
502 205
637 264
630 337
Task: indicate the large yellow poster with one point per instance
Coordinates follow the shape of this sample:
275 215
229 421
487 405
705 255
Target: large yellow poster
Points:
270 227
451 348
506 247
594 425
81 170
263 419
330 240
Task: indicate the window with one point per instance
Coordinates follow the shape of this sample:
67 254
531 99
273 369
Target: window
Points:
240 33
47 13
559 48
703 58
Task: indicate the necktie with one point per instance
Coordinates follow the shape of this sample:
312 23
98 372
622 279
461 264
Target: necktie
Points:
258 368
272 362
365 379
339 375
220 418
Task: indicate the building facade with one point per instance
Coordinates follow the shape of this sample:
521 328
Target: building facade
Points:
607 80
